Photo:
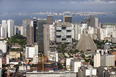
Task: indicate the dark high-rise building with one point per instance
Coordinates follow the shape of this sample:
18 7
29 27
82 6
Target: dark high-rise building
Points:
67 19
92 21
49 19
35 28
40 37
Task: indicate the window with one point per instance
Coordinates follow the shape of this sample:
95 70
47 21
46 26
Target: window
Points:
63 39
64 27
68 30
68 36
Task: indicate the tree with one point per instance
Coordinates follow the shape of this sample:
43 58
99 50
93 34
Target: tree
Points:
21 40
83 56
60 66
76 50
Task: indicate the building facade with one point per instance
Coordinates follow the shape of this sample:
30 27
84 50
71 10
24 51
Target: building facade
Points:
63 33
49 20
97 60
67 19
10 28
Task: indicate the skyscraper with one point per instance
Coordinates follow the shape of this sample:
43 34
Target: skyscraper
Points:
4 29
30 33
35 28
67 19
24 24
92 21
46 39
96 22
10 28
40 38
49 20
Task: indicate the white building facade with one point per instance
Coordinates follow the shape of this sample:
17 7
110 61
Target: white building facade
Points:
10 28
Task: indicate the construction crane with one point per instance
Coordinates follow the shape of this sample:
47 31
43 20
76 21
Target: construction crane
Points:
42 57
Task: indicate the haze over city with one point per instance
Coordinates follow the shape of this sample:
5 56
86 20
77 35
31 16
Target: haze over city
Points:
57 38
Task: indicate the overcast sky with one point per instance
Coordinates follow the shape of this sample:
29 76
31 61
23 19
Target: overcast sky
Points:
10 6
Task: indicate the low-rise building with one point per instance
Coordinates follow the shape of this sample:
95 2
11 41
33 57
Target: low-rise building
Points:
51 74
14 54
3 45
88 71
30 52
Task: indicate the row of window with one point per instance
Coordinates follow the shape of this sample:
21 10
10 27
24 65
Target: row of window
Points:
61 30
59 36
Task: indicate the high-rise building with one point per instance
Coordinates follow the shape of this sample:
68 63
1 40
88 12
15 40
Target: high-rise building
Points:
86 20
24 24
67 19
0 62
52 32
0 31
108 60
96 22
46 39
10 28
63 33
92 21
97 60
49 20
4 29
40 35
30 33
35 28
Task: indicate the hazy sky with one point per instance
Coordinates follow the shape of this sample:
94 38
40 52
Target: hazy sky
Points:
12 6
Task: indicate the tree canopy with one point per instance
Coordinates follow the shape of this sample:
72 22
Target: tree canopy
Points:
21 40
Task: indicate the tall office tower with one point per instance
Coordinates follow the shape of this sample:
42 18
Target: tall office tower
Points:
10 28
49 20
35 28
24 24
92 21
96 22
4 29
30 33
67 19
63 33
46 39
40 38
97 60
